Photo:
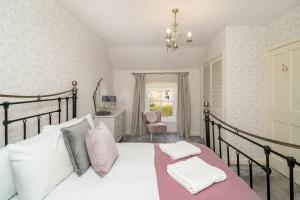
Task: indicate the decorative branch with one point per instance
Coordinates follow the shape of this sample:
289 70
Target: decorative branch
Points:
95 92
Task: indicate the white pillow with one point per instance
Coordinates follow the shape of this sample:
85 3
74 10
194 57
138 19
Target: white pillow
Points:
71 122
7 183
39 165
89 119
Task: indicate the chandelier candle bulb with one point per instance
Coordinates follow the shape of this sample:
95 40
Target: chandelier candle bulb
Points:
168 30
172 34
189 35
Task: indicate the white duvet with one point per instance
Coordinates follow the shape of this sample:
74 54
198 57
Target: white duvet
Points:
132 177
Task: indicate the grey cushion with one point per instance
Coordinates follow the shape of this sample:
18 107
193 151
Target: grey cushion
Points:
74 137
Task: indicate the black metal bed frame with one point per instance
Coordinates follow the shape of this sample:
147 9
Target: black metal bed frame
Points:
212 121
39 98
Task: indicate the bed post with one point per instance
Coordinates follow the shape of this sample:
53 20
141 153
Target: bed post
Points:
291 163
268 170
74 97
206 119
5 122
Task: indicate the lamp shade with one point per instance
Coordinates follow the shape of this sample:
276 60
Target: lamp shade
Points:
109 98
112 98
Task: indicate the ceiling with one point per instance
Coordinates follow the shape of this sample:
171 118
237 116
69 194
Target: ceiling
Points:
144 22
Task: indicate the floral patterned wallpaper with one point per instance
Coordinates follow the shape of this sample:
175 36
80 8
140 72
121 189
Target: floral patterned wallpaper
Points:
42 49
147 59
285 28
156 58
244 80
245 66
124 89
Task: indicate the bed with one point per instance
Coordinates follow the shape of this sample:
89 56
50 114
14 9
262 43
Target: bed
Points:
138 173
134 177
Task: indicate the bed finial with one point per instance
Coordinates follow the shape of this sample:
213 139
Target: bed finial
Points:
74 98
74 83
207 120
206 106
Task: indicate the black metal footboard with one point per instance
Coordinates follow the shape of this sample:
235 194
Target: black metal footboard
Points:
212 122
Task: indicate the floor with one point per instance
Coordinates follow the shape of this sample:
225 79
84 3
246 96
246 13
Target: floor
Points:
279 183
162 138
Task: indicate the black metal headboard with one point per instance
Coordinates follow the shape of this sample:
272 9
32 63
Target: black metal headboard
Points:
59 97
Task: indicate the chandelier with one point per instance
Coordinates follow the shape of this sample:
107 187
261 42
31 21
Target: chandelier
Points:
173 34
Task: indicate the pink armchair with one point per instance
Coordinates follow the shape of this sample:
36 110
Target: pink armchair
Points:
152 121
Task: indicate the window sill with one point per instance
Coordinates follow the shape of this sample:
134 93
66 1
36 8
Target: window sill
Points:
169 121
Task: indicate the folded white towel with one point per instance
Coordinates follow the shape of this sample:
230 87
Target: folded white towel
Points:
179 150
195 175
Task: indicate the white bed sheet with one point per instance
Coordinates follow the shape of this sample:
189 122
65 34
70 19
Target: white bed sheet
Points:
132 177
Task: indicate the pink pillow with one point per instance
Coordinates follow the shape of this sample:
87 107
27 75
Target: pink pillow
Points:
101 148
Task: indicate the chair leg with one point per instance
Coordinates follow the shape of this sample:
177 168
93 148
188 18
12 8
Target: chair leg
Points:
166 138
151 136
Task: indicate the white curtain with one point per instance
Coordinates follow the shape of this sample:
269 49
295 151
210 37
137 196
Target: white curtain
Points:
137 126
183 106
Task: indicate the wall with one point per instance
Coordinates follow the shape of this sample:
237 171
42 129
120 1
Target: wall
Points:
42 49
147 59
246 50
124 89
244 80
245 68
216 46
245 74
164 80
213 50
284 28
156 58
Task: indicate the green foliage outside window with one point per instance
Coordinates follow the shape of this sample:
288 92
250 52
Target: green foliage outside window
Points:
167 110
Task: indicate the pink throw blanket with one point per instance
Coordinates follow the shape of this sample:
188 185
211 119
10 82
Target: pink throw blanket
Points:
233 188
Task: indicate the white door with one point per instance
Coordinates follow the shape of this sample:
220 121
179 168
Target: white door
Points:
213 90
217 88
213 85
284 103
207 83
206 89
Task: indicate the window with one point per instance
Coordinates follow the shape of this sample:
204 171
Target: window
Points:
162 96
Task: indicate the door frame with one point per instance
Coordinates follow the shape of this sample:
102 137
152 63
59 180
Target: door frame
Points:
268 102
283 44
268 79
209 63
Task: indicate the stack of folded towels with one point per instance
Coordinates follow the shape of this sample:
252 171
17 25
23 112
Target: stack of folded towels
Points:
179 150
193 174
